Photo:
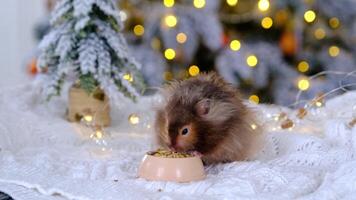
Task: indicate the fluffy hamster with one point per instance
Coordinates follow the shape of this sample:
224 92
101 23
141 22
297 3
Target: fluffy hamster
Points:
207 116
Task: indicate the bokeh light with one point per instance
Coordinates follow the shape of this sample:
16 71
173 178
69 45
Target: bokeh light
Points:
334 22
98 134
199 3
194 70
181 38
263 5
168 3
169 54
128 77
309 16
232 2
303 84
88 118
267 22
235 45
254 99
139 30
334 51
303 66
170 20
251 60
123 15
134 119
319 33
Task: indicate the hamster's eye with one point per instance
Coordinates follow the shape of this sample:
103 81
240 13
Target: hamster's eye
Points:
185 131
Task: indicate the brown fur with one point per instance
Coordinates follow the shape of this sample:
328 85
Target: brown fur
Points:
219 123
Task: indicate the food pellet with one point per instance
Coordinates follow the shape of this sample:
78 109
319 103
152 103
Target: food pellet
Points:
169 154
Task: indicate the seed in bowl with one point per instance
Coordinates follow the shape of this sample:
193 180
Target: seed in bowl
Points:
169 154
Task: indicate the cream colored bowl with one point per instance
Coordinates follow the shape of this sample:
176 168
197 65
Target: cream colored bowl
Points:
171 169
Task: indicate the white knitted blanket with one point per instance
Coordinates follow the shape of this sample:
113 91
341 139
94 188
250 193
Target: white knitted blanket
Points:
44 157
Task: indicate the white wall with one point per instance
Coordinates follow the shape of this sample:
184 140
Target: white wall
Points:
17 20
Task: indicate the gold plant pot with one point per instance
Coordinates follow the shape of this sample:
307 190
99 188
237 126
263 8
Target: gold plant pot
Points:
81 104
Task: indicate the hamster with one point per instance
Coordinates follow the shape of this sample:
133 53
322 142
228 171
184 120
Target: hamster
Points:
207 116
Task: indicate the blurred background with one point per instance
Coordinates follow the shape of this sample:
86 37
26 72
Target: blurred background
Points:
17 21
271 49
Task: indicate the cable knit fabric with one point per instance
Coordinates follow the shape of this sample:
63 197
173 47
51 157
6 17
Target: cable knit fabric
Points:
42 156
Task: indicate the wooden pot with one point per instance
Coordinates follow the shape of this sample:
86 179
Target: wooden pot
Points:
96 104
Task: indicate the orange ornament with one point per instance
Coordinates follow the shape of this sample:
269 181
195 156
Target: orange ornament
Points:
32 67
288 43
224 39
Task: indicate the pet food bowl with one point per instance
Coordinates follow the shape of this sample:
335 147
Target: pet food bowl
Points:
156 168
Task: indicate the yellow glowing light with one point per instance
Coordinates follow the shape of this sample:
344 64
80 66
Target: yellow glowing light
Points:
303 84
334 22
128 77
319 104
303 66
123 15
134 119
267 22
254 126
319 33
171 20
254 99
194 70
88 118
334 51
199 3
170 54
139 30
235 45
167 76
181 38
98 134
252 60
309 16
263 5
168 3
232 2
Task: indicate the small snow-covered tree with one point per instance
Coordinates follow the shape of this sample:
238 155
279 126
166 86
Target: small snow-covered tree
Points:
85 44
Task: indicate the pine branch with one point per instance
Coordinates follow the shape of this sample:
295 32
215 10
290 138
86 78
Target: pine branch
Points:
87 54
88 83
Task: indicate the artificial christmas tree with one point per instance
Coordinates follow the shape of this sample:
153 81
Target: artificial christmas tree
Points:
85 47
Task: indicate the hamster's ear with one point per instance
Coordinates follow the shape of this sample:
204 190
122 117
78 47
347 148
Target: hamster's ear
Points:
203 107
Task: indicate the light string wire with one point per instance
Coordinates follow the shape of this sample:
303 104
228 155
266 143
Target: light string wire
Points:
341 86
308 103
